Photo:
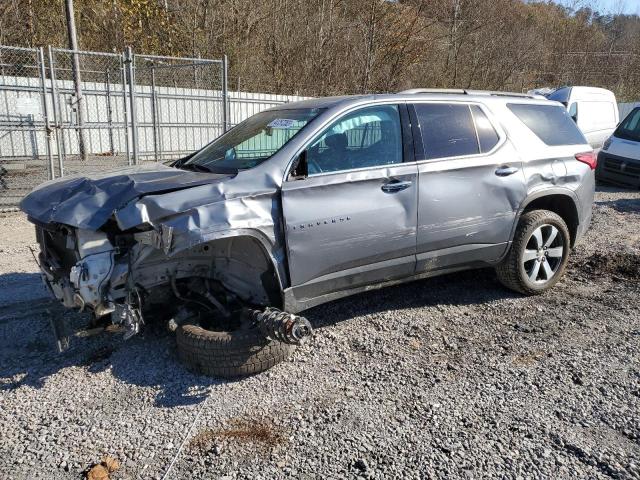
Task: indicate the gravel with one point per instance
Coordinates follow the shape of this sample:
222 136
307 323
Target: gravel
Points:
451 377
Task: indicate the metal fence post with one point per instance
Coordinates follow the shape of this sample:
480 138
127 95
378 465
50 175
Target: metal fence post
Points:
77 80
55 100
125 113
225 95
132 100
154 113
158 113
196 65
109 112
45 110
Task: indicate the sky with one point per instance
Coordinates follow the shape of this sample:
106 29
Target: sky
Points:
614 6
607 6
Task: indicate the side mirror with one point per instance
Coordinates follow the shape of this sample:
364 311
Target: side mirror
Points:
300 169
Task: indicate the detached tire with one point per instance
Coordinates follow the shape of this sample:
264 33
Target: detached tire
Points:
228 354
538 255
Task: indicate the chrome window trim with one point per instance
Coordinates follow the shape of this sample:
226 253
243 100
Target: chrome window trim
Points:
475 128
502 137
361 169
320 129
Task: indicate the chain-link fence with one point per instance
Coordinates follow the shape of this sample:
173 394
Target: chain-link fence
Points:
65 112
25 150
180 104
90 107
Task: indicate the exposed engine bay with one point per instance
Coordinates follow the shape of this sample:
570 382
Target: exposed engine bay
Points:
128 277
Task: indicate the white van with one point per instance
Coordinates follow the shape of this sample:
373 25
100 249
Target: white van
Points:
619 159
595 110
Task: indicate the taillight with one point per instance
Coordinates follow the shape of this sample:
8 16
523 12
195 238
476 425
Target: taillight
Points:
590 158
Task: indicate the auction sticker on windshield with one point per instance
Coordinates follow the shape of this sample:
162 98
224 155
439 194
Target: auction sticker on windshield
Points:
282 123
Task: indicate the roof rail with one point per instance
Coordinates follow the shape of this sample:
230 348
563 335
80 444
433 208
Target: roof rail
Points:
454 91
504 94
460 91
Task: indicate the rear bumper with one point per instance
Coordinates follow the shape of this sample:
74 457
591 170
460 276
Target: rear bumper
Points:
618 170
585 193
583 226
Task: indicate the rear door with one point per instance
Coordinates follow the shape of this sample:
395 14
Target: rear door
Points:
352 220
471 185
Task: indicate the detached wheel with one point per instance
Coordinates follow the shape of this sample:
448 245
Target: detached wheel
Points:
228 354
538 255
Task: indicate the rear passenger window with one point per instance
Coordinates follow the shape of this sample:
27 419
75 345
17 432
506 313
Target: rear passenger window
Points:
447 130
487 135
551 123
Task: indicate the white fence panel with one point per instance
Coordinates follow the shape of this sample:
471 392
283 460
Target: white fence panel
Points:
21 132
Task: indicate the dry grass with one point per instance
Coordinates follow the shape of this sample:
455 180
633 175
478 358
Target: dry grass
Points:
259 432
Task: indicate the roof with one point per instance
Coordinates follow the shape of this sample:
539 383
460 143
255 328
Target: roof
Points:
413 95
321 102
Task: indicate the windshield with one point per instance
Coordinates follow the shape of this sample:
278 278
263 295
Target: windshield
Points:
251 142
629 129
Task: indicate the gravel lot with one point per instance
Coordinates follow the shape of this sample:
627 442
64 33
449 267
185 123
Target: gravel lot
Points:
451 377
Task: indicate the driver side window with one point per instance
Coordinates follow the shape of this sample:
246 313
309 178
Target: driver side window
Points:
369 137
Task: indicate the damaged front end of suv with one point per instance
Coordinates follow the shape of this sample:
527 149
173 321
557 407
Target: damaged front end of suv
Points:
194 249
165 253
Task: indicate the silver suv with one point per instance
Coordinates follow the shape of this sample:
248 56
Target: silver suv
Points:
312 201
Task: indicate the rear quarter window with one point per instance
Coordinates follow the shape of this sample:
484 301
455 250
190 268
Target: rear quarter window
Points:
551 123
487 135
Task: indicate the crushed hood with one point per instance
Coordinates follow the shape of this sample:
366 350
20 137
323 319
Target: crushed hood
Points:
89 201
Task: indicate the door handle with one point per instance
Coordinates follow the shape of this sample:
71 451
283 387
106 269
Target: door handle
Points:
505 171
392 187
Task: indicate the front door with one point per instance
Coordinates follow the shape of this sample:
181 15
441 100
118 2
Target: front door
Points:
471 186
352 220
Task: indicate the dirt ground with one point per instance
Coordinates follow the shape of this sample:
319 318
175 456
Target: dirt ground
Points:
452 377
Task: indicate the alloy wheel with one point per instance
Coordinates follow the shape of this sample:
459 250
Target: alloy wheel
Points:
543 254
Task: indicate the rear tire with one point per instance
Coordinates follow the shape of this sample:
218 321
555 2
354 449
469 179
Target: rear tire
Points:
228 354
538 255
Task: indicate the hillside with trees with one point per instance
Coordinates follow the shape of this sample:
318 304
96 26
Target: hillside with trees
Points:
323 47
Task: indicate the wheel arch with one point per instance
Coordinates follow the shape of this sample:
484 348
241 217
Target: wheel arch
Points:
240 255
560 201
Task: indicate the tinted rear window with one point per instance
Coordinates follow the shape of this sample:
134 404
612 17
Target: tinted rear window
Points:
447 130
551 123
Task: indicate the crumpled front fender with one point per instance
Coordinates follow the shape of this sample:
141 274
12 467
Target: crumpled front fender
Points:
176 231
